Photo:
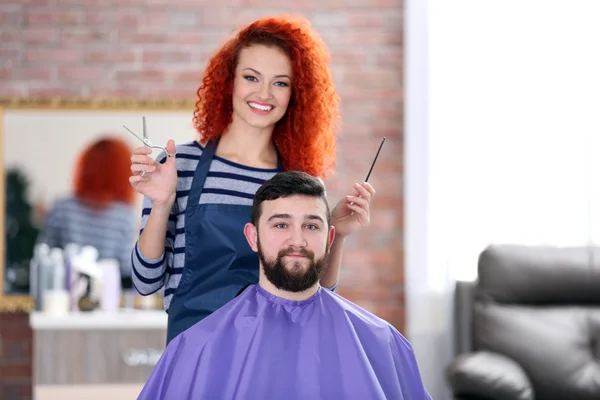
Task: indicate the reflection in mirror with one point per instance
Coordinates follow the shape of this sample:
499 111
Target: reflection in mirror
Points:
40 153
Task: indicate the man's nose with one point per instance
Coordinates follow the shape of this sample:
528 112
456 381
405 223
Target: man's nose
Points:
297 238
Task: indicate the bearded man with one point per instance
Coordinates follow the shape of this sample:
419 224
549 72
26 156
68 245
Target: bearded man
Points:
287 337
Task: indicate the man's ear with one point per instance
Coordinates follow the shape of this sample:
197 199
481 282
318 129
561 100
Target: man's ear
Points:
251 235
331 236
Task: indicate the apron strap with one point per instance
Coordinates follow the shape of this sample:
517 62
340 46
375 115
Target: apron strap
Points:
201 172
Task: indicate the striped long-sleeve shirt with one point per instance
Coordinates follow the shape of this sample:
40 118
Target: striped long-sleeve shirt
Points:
227 183
111 229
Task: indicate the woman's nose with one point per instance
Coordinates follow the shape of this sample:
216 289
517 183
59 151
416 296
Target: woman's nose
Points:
265 92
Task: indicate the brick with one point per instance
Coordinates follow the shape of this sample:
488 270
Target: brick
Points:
36 2
193 4
130 20
185 18
57 56
392 272
72 37
115 92
10 36
86 3
350 92
386 3
17 351
11 16
158 56
9 56
364 292
16 389
13 90
156 18
111 56
224 17
358 127
37 35
384 220
391 59
101 18
82 74
375 37
149 75
124 36
372 78
58 91
8 372
329 19
194 77
188 93
375 19
53 18
391 109
360 108
348 57
180 38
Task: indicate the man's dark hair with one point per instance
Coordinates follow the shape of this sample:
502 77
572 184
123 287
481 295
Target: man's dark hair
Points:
285 184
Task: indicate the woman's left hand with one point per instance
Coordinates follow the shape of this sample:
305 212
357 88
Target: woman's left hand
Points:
352 212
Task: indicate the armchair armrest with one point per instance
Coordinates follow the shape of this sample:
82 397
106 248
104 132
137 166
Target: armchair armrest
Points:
489 375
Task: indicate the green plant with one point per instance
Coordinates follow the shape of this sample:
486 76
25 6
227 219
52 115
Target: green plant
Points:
21 233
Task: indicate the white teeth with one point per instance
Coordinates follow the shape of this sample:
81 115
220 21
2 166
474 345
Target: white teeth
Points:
260 106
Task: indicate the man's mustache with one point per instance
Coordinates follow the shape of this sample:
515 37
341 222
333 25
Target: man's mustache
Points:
296 250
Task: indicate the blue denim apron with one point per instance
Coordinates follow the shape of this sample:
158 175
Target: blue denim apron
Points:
219 262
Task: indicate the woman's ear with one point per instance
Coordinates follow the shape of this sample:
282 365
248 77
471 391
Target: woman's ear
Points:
251 235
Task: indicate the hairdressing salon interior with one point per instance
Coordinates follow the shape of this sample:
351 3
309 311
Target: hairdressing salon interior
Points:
484 242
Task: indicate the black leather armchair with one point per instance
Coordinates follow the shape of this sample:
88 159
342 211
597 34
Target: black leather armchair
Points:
529 328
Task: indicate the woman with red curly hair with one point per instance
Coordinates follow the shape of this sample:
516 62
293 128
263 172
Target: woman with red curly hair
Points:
267 103
100 212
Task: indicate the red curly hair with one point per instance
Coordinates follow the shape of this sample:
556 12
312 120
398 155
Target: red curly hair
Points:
102 173
305 136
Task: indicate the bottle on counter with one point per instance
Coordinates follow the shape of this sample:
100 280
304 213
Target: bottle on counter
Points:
55 297
39 273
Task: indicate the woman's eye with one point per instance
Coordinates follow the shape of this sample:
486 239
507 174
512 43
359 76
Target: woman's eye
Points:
282 84
250 78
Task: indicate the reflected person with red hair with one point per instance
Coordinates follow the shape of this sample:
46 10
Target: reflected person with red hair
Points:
100 212
267 103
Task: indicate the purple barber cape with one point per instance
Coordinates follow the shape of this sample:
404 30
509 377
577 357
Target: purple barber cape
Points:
259 346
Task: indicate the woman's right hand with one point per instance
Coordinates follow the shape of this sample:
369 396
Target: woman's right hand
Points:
159 182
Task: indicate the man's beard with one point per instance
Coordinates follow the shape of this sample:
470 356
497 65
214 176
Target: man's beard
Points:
299 277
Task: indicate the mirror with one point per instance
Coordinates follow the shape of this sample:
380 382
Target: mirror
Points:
41 143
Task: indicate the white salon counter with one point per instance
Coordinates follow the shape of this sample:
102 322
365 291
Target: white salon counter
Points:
98 320
87 349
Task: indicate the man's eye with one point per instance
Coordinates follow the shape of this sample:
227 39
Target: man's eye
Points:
281 226
312 227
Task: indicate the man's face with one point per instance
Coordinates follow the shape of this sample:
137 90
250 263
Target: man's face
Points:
292 241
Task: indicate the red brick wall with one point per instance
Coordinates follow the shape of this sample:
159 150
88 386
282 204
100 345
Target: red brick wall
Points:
157 48
16 352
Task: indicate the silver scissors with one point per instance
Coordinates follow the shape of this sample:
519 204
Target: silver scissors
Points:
147 141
